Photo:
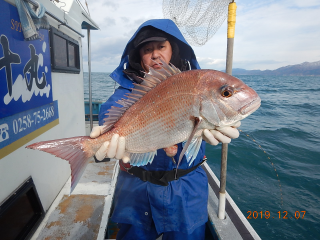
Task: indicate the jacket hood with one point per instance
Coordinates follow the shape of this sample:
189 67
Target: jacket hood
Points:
166 25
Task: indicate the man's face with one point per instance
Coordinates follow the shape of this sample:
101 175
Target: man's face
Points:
154 51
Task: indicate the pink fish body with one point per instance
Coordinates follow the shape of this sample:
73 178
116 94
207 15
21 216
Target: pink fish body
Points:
162 112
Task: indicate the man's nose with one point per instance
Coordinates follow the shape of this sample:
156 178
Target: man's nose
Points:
155 54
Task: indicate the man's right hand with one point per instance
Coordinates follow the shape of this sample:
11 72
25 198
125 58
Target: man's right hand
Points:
113 149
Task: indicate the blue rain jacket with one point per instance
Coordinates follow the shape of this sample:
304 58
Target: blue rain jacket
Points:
180 206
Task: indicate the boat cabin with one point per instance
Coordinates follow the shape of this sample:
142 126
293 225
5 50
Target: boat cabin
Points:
41 98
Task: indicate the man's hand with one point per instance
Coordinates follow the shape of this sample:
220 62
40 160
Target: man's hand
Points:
223 134
113 149
213 137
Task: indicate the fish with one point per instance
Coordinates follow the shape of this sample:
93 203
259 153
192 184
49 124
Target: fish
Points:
167 108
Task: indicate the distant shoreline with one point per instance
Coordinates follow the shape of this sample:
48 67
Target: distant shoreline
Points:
303 69
311 69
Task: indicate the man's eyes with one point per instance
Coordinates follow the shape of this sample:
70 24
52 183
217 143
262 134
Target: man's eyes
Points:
148 50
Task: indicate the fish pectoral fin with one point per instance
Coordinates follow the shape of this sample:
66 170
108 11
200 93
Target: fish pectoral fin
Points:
188 144
141 159
193 149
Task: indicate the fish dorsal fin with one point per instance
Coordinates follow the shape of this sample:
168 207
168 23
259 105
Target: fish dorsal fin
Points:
150 81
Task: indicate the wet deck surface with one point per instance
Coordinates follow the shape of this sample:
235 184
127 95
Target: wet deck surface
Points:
83 214
76 217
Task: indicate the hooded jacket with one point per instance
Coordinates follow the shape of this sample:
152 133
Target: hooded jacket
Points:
182 205
166 25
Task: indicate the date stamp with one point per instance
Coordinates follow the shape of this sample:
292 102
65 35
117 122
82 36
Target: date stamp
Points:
278 215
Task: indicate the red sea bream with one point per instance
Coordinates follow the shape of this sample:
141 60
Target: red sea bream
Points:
161 112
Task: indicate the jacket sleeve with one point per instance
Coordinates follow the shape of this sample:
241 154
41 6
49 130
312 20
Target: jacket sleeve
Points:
117 95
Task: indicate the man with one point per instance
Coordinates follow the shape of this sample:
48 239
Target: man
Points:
144 209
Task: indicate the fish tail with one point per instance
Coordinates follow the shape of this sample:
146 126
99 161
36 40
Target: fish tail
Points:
70 149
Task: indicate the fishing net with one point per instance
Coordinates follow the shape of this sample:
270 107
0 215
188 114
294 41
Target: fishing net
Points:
198 20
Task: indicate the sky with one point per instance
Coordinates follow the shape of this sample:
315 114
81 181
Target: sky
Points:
269 33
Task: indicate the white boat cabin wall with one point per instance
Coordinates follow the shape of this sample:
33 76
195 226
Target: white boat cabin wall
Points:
41 98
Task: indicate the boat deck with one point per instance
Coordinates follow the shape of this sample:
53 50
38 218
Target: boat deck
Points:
84 214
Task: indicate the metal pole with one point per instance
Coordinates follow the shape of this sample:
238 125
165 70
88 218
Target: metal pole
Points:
89 69
229 55
223 181
224 149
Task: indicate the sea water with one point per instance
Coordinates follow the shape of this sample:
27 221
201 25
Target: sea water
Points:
274 174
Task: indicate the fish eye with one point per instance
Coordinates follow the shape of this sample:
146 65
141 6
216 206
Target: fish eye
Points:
227 92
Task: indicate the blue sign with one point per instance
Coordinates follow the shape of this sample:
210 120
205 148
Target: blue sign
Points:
27 108
25 66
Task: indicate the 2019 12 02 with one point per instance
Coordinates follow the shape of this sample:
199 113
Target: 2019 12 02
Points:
279 215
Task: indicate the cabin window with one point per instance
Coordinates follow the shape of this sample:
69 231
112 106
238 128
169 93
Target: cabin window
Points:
64 52
21 213
72 54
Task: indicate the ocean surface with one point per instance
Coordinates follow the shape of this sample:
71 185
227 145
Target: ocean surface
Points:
273 174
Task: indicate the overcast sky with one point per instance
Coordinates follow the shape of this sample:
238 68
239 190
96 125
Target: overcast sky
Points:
269 33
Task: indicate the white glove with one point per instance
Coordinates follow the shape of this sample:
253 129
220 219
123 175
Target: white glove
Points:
113 149
221 134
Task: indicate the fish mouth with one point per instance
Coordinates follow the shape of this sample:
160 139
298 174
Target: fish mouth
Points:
251 106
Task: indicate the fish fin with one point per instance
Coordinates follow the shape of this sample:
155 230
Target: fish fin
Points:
198 120
141 159
114 114
150 81
170 68
193 149
70 149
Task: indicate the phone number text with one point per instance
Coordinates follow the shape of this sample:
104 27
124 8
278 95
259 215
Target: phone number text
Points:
28 121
